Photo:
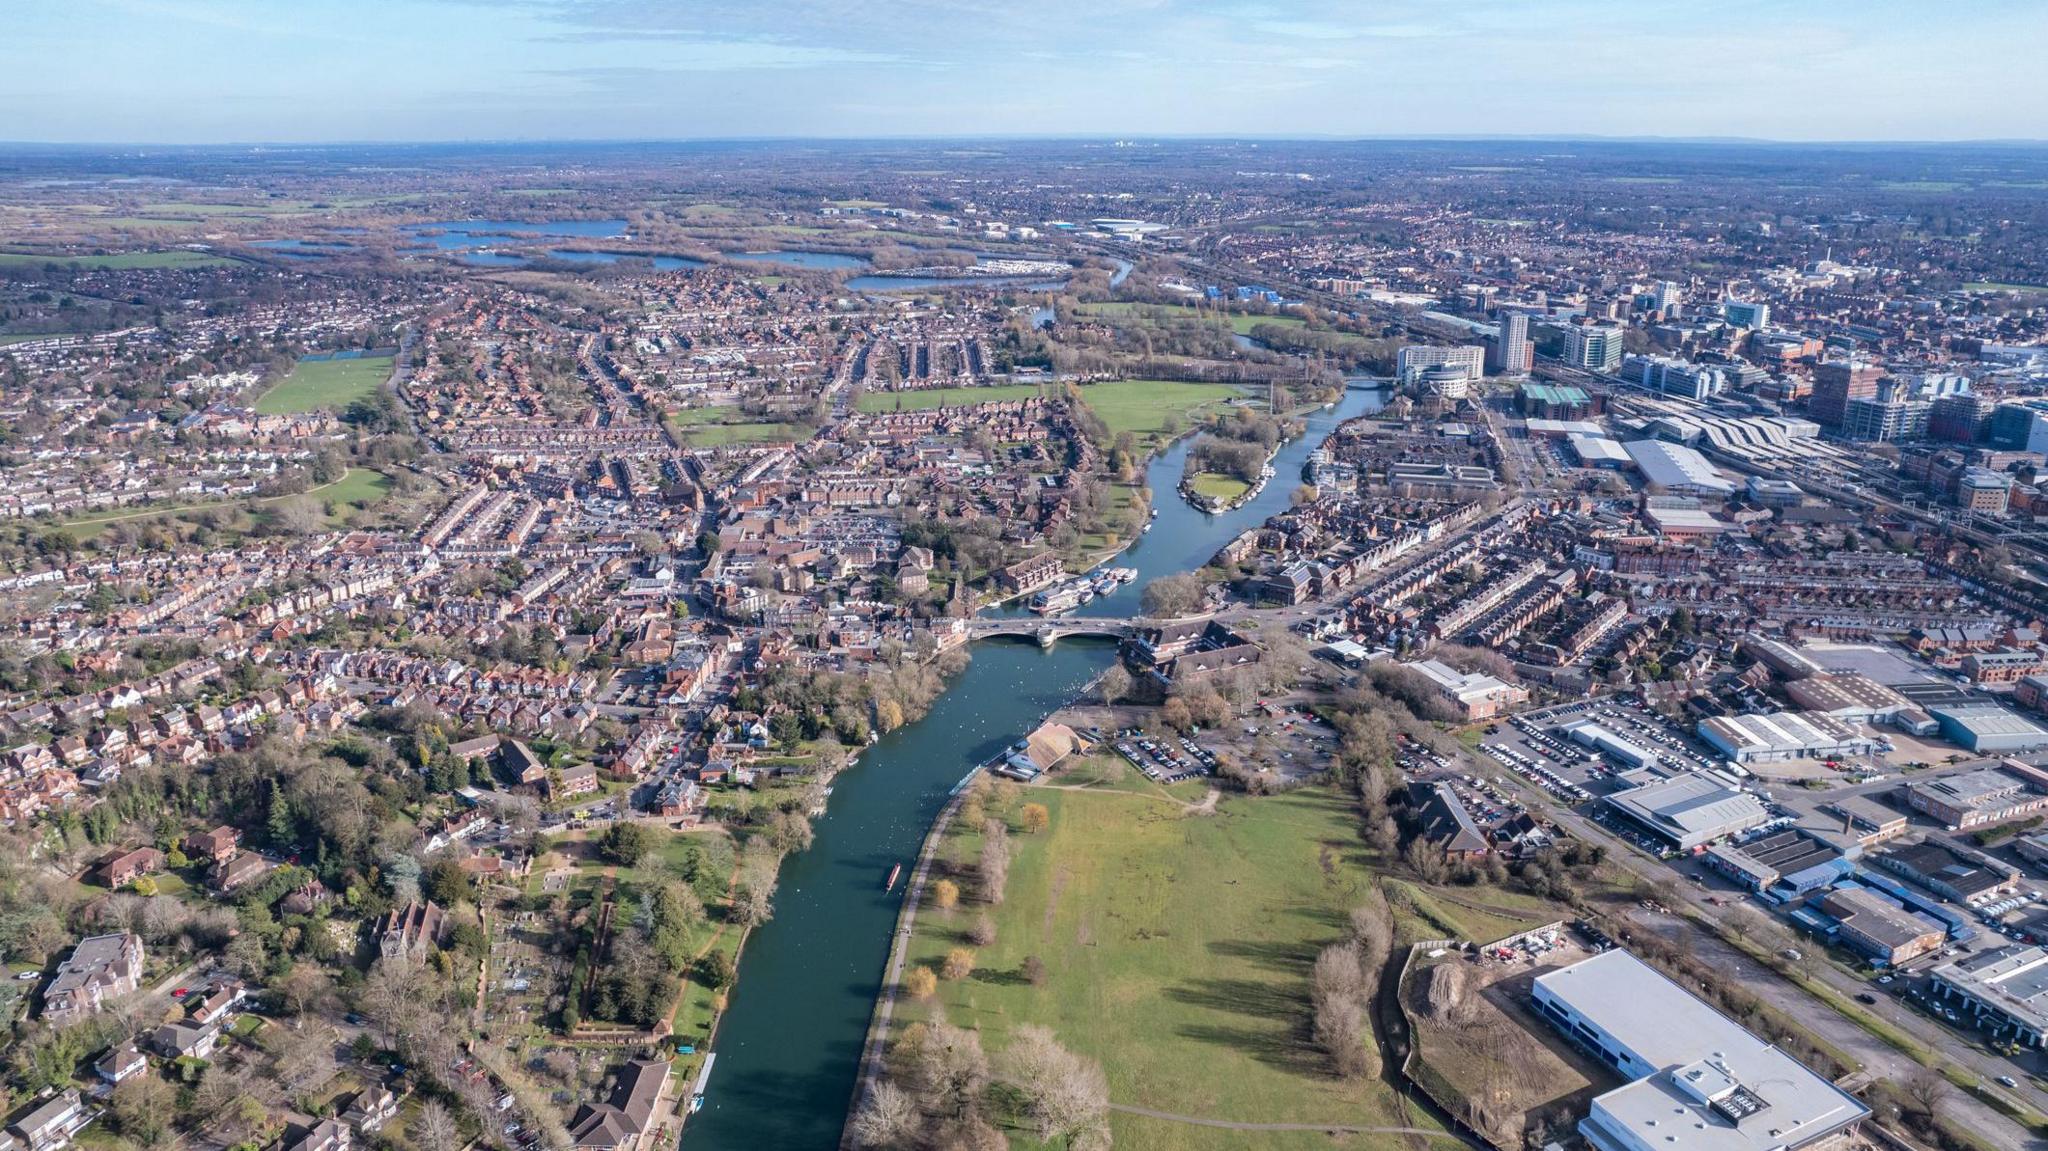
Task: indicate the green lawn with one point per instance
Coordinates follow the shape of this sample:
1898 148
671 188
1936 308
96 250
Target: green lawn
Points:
25 337
1177 948
335 384
1988 286
357 486
1218 487
177 258
944 397
1141 407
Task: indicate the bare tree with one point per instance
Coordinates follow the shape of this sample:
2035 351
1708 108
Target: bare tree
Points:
1928 1091
433 1127
1064 1094
994 867
888 1118
1337 991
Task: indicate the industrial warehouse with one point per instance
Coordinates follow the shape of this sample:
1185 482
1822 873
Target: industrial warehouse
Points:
1700 1082
1783 736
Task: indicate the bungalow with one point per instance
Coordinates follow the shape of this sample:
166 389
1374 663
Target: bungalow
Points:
184 1040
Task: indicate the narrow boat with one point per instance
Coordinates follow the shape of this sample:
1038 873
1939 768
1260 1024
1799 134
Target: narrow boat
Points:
895 873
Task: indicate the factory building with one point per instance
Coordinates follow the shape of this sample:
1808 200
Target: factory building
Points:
1699 1081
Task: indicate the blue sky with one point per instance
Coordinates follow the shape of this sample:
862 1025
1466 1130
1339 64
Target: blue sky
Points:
188 71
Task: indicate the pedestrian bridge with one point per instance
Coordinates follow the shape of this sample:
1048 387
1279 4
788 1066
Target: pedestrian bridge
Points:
1050 631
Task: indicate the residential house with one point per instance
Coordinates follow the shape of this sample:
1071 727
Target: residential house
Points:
624 1121
120 868
410 932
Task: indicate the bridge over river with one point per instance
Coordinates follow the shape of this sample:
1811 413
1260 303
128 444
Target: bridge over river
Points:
1050 631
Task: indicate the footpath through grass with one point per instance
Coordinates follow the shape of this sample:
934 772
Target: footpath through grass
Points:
331 384
1177 947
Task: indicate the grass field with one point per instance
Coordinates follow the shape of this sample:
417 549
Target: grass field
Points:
358 487
1988 286
1177 947
1218 487
944 397
729 435
316 384
1142 406
178 258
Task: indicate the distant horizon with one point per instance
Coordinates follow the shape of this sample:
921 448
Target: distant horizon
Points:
1048 138
227 72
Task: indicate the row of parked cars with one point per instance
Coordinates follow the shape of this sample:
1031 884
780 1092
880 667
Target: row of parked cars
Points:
1536 773
1162 761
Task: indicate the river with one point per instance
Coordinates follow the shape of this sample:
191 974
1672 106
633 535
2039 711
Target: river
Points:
789 1046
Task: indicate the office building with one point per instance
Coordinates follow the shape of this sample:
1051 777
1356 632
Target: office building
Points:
1594 347
1882 419
1417 359
1698 1080
1513 353
1672 377
1981 490
1959 419
1744 314
1836 383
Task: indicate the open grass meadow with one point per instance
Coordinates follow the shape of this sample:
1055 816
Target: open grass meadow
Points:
1178 943
332 384
176 258
1142 407
357 488
1216 486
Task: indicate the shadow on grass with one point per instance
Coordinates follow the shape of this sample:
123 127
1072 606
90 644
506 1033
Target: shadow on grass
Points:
1293 957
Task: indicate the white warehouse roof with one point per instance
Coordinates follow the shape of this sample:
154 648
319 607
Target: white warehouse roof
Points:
1677 467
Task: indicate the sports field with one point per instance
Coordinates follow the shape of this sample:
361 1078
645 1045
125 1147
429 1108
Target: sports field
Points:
1141 407
332 384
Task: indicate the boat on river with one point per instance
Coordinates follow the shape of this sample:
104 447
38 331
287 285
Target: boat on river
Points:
895 873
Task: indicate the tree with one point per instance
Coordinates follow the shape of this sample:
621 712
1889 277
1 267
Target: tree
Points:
994 867
1035 818
143 1109
983 932
945 895
888 1118
302 988
1337 990
1064 1095
921 983
947 1067
752 904
1115 684
959 964
433 1127
1928 1091
626 843
1033 969
1180 594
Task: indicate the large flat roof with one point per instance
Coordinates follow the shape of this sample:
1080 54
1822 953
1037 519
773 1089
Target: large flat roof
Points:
1717 1087
1691 806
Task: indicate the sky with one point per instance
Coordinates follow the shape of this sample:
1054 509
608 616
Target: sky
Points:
242 71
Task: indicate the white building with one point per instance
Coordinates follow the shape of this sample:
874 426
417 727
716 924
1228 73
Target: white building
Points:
1784 735
1594 347
1700 1081
1678 469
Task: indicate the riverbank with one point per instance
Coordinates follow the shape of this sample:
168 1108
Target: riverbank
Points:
792 1041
